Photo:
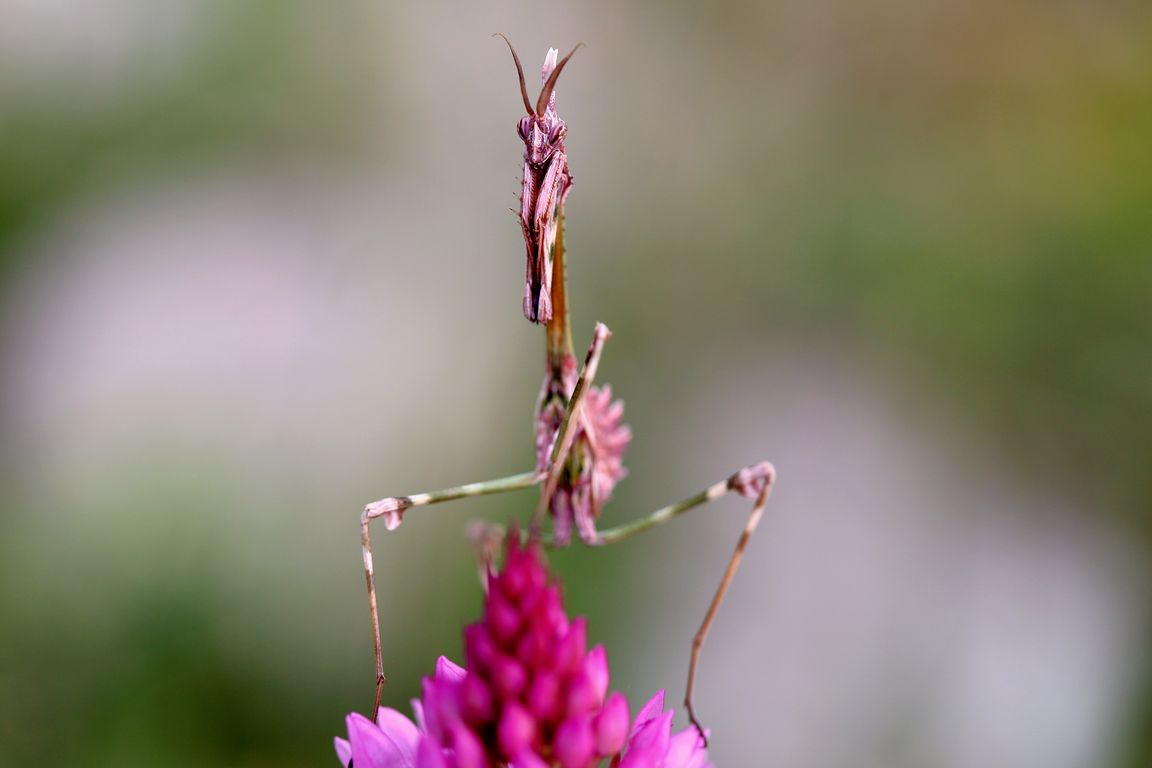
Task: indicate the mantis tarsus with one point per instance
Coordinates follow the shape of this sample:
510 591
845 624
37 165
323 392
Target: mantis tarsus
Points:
577 451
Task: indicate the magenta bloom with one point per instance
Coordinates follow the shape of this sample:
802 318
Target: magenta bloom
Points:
651 743
533 696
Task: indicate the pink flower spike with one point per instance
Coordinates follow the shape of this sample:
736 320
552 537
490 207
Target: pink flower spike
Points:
391 745
538 693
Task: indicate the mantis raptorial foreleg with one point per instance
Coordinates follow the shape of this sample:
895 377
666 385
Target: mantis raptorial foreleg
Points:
565 436
392 508
539 219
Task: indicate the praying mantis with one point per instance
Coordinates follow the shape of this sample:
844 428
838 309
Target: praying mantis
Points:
579 440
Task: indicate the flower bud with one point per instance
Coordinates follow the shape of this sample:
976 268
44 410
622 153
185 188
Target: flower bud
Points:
595 666
571 649
479 650
476 700
508 677
611 726
501 617
469 750
516 579
575 744
441 706
516 730
535 646
537 576
446 669
544 697
581 699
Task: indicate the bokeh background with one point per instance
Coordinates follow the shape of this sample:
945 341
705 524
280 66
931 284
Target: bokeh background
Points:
257 268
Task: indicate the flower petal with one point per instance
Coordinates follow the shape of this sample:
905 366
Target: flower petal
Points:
391 744
649 711
649 745
469 751
429 755
446 669
687 750
418 710
343 751
612 725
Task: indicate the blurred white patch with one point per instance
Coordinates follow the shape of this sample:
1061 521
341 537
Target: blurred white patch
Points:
90 50
263 321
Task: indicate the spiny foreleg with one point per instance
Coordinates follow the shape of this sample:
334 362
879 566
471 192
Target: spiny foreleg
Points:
566 434
540 213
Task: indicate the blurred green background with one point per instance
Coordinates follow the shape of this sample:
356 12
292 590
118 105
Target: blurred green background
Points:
256 269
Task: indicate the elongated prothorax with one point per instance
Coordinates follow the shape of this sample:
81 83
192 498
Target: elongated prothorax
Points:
545 184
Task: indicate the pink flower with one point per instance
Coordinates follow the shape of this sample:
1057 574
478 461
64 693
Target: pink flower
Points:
651 743
533 696
534 692
393 741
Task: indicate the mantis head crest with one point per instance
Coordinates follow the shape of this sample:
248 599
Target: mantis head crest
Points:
552 71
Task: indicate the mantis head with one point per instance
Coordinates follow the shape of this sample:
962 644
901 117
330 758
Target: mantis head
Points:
541 129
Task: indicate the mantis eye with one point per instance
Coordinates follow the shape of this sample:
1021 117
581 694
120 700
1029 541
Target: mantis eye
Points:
558 133
524 127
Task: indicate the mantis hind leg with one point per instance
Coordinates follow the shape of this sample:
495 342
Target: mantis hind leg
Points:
718 598
754 481
392 510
